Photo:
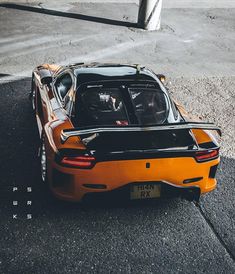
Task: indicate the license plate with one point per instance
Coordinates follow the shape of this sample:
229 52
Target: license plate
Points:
145 191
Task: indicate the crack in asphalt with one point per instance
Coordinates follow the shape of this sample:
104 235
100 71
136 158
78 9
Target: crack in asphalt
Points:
209 223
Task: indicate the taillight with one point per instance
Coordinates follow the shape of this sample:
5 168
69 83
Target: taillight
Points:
78 161
206 155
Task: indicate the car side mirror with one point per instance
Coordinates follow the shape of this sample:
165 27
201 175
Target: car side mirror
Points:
161 77
45 76
46 80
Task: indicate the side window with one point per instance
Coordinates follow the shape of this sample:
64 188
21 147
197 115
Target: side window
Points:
63 85
174 109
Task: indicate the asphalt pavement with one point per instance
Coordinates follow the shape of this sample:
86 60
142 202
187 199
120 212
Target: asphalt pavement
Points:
195 50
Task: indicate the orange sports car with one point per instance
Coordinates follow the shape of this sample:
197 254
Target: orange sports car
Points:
111 129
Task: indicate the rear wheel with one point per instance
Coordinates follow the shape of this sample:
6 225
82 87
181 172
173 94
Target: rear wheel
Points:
43 160
43 171
32 94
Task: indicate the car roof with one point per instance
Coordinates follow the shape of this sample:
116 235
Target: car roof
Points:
102 72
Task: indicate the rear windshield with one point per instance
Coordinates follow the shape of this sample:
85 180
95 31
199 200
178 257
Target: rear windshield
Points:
150 105
105 106
99 105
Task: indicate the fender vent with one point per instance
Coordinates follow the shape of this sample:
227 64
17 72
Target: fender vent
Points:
212 172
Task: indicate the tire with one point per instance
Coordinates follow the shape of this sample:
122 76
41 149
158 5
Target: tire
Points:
32 95
43 161
48 195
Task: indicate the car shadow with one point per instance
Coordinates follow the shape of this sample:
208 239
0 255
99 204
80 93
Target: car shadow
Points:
70 15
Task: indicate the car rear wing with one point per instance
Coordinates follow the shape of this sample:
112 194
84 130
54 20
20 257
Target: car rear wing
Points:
91 133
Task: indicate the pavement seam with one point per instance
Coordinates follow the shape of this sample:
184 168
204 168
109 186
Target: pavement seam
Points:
214 231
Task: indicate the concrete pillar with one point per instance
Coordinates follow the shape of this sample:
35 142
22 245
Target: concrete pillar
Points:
149 16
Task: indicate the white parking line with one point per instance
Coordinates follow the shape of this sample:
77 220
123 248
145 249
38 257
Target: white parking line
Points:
64 41
107 52
15 38
19 46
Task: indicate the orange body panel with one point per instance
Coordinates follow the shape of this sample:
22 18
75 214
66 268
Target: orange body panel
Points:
115 174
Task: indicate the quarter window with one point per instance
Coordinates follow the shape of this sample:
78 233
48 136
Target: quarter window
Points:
63 85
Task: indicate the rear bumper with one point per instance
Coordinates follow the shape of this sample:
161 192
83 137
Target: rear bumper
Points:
167 191
115 177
